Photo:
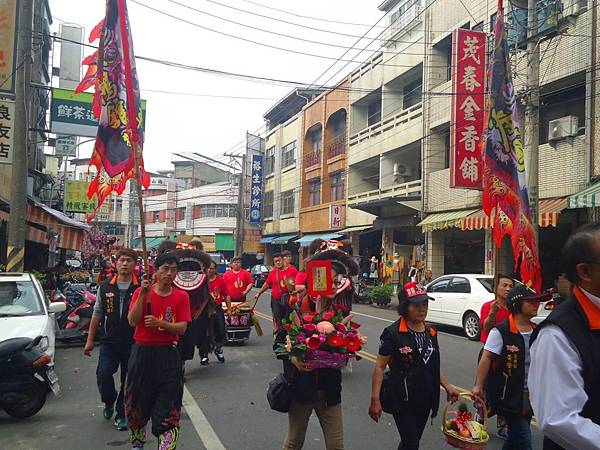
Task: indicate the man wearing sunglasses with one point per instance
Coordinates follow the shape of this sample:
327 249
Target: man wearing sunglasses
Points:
565 353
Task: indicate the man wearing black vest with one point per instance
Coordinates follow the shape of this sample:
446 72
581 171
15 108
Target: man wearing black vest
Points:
505 363
110 311
565 353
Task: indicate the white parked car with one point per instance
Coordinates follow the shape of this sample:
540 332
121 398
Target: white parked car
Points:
25 310
458 301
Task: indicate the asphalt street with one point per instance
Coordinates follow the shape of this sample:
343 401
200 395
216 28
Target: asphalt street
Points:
226 406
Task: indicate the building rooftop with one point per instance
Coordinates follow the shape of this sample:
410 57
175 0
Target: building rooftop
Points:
291 104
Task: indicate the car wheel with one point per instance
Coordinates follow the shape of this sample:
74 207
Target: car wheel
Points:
471 326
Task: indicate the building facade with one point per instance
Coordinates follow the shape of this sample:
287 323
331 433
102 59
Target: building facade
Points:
458 234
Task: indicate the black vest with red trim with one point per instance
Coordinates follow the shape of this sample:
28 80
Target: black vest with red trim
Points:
579 319
506 381
116 329
416 385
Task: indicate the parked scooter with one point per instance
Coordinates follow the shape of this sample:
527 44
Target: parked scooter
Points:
74 323
26 377
362 288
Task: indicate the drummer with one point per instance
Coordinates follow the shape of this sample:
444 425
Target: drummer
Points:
238 281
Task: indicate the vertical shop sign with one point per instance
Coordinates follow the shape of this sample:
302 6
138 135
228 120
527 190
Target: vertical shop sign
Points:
468 104
8 45
256 194
7 118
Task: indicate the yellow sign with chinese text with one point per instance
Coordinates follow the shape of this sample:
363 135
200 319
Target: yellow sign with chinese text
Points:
76 199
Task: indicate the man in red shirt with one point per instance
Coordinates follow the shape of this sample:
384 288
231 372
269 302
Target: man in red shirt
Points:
493 313
237 281
154 387
281 281
219 293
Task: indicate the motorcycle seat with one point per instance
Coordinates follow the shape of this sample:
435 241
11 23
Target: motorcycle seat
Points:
14 345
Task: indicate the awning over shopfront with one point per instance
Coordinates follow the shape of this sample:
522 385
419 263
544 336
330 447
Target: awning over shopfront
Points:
305 240
548 216
267 239
151 242
283 239
588 198
356 229
444 220
35 233
70 231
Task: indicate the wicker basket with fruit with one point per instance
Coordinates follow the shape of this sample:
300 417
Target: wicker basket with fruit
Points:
461 429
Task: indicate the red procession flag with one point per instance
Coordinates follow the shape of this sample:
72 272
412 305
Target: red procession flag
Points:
117 105
505 194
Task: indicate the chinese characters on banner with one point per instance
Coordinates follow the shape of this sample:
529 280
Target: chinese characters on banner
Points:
7 117
335 216
468 104
256 189
8 45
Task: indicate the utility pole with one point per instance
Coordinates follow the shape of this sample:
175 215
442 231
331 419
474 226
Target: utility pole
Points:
239 235
15 254
532 111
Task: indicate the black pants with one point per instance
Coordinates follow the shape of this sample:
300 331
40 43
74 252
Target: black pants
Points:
218 326
280 310
154 389
196 335
112 356
410 425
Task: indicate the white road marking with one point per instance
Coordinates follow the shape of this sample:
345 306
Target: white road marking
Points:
371 317
206 432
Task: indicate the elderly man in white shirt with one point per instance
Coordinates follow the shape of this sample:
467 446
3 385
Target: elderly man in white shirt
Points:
564 376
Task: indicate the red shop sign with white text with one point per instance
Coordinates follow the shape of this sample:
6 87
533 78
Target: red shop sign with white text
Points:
468 103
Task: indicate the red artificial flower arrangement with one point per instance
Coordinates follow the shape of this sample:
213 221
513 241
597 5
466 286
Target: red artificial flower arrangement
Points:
326 340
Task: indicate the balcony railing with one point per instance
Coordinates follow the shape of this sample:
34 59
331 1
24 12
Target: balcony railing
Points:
405 22
312 159
337 147
410 189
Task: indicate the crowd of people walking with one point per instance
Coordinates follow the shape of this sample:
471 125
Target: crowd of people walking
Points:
152 326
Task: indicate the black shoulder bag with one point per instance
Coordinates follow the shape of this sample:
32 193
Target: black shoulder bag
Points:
279 394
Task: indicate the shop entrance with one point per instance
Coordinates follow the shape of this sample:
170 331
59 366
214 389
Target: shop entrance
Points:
464 251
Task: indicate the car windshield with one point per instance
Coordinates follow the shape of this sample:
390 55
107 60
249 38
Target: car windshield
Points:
19 298
488 283
217 258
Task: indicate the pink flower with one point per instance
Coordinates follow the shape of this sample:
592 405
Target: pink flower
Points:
314 342
328 315
310 327
335 341
325 327
301 338
307 318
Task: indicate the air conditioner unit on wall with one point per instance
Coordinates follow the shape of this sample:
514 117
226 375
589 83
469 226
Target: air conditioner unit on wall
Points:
402 170
562 128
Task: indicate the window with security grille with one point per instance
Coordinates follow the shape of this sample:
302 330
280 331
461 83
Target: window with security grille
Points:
288 155
270 160
314 192
268 204
218 211
337 186
287 202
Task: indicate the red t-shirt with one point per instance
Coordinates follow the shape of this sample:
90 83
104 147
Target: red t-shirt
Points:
501 316
301 279
281 275
237 283
174 307
218 289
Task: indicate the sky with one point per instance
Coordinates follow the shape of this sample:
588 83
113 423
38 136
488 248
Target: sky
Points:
206 120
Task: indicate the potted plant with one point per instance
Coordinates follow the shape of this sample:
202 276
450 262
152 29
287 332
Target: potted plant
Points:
382 294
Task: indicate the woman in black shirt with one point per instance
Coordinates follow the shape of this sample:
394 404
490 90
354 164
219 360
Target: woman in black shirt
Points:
409 347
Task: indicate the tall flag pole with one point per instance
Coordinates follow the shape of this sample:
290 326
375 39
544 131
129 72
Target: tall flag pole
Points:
111 71
505 195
